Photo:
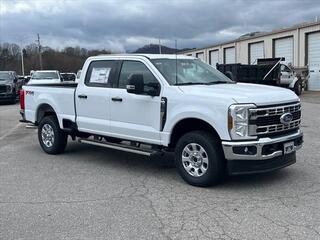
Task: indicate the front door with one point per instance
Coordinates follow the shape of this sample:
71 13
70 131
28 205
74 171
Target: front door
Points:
132 116
286 75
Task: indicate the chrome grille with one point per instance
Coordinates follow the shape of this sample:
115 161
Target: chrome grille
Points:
266 120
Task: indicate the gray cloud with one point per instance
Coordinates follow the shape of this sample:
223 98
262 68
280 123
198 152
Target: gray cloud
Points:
122 25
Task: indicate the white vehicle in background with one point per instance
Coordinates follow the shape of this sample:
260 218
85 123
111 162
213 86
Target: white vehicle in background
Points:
45 77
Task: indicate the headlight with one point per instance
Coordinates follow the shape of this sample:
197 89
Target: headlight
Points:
9 88
238 121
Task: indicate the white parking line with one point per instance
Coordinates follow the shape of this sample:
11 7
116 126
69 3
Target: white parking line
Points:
10 131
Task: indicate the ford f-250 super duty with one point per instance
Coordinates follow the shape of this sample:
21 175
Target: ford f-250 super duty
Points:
150 104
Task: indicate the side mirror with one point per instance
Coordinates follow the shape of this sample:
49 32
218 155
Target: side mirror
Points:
155 89
135 84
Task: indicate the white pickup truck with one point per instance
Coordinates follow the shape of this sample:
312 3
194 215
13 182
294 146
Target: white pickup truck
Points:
45 76
151 104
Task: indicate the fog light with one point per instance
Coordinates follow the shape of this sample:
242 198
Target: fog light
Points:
247 150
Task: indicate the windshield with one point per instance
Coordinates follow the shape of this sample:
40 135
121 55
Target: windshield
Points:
4 76
45 75
189 71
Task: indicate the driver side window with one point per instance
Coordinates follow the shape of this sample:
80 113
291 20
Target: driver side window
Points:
134 67
284 68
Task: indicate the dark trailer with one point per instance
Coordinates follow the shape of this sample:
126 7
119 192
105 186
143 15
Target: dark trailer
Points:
267 71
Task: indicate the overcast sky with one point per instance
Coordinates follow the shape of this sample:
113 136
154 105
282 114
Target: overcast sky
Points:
125 25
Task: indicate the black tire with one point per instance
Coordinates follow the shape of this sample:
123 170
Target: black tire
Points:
13 97
60 138
216 162
297 88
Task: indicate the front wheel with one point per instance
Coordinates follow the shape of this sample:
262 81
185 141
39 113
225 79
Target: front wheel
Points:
13 99
298 88
199 159
51 138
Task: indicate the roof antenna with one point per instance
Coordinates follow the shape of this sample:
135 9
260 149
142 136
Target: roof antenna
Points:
176 61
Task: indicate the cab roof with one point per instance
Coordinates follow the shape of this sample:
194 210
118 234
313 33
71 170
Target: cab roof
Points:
151 56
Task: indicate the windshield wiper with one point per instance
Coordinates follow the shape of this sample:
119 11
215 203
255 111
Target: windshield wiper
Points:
217 82
190 83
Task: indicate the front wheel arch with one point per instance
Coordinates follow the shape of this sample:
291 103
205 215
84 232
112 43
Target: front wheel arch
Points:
191 124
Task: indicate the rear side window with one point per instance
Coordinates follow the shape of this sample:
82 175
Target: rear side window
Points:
135 67
101 73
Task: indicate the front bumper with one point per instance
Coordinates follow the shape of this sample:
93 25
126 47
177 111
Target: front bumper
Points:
6 96
264 154
258 166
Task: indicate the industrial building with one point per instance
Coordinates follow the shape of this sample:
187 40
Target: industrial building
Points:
299 45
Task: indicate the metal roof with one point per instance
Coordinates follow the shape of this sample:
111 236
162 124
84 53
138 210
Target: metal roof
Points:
257 35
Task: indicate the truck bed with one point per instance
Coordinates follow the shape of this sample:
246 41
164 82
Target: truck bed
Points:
59 95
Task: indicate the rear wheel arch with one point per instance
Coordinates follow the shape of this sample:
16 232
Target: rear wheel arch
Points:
43 111
190 124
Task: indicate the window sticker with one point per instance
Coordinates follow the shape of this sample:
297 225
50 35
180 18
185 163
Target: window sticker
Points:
100 75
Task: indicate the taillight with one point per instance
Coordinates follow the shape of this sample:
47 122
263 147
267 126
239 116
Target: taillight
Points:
22 104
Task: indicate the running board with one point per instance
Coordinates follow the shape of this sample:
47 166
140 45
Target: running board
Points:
31 126
120 147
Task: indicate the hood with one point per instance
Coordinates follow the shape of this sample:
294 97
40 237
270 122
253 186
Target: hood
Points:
243 93
6 82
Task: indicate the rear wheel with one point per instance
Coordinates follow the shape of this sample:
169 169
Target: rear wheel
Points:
199 159
51 138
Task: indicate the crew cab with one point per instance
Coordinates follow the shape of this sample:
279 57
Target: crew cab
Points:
45 77
152 104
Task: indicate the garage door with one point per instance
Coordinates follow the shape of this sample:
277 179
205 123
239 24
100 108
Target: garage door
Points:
314 61
256 51
214 58
200 56
284 48
229 55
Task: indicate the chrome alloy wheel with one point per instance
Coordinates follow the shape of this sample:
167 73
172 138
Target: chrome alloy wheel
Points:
47 135
195 159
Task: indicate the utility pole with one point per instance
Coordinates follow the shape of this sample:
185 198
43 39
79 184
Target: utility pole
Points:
22 63
39 49
159 47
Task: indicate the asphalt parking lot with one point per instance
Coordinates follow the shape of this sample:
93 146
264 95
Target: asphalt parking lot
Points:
95 193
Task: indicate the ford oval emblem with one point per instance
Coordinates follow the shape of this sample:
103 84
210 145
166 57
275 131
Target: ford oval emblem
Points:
286 118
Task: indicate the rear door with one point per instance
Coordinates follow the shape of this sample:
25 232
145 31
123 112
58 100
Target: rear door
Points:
93 97
132 116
